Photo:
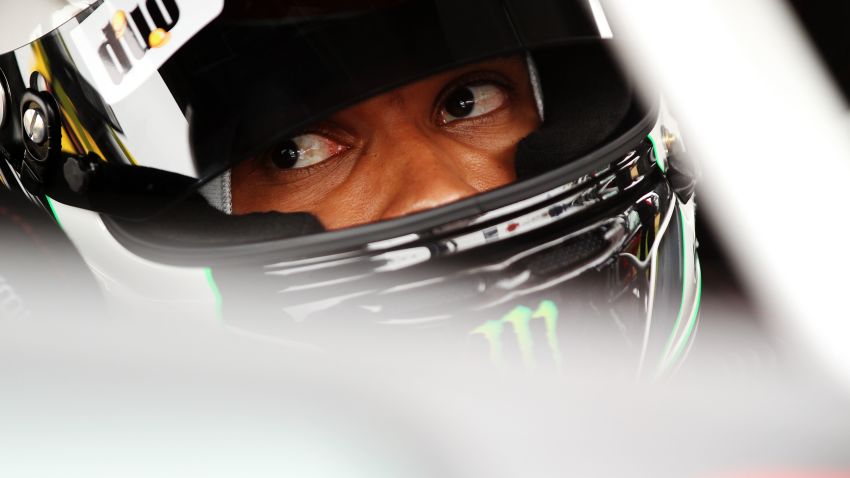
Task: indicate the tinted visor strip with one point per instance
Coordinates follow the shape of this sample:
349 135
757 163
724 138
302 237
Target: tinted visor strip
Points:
251 84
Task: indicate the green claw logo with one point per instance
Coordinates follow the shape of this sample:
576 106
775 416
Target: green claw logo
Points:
520 318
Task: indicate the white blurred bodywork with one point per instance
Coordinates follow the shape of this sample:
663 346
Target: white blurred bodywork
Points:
770 133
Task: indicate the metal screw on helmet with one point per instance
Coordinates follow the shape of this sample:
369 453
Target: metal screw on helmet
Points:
34 125
669 139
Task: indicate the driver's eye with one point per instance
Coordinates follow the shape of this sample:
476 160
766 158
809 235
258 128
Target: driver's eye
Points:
470 101
464 102
305 150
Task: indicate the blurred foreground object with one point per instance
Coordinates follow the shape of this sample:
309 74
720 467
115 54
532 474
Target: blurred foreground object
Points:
769 130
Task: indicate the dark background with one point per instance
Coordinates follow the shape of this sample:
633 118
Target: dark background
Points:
828 25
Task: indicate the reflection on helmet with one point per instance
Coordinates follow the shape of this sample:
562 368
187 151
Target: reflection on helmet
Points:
510 194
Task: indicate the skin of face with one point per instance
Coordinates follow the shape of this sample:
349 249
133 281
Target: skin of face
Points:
402 151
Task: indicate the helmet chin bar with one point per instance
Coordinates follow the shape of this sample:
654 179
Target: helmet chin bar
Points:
89 182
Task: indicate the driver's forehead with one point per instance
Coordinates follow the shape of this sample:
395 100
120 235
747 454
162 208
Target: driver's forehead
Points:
421 95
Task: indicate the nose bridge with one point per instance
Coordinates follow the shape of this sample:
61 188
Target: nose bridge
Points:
430 172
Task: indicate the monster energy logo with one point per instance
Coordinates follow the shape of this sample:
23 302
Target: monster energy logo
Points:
520 320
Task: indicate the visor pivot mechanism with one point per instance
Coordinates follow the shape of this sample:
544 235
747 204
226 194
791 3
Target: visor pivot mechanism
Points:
42 134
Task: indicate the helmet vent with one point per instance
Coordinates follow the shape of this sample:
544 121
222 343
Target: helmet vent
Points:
577 251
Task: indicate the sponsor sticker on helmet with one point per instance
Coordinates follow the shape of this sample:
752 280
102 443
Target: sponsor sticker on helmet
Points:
124 42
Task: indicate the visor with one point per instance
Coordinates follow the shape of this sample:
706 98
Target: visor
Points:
562 198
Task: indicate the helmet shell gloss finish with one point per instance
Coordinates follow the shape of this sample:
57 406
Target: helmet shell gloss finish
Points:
593 243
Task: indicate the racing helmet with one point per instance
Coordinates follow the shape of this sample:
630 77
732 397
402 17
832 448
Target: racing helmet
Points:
130 121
